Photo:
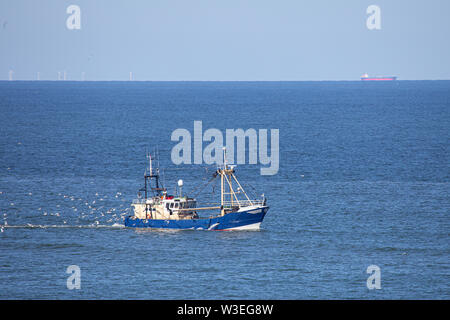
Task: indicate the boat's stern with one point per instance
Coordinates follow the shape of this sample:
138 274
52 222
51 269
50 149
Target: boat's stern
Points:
246 218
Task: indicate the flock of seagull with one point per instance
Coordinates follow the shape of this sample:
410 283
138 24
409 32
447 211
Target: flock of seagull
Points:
93 210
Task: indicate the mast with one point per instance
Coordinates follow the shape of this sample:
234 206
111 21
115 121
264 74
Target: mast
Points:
148 185
226 178
226 174
150 162
222 182
222 185
150 176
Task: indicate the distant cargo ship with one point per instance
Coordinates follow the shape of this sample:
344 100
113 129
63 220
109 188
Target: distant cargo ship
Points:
365 77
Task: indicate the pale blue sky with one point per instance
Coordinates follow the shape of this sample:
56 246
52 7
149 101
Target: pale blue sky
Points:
225 39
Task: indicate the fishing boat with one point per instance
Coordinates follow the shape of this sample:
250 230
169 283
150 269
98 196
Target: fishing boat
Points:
159 210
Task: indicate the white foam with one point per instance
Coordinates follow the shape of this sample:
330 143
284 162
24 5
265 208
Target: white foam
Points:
54 226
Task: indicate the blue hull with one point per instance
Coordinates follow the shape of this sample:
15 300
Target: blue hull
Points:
250 219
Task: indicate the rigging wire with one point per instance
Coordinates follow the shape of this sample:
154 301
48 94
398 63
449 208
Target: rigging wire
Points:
204 186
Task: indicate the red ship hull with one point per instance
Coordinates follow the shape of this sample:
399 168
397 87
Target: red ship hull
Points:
379 79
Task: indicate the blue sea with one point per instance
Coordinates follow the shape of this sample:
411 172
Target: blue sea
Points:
364 179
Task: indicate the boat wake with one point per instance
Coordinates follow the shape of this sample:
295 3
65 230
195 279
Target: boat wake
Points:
54 226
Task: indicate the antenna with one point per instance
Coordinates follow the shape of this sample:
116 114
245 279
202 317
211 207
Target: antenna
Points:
180 184
164 177
224 157
149 156
157 155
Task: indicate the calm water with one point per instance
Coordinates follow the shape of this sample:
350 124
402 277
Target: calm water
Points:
364 179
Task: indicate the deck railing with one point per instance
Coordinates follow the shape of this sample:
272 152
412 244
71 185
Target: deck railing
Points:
142 201
226 204
243 203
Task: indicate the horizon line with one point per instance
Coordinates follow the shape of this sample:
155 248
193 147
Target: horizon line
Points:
324 80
